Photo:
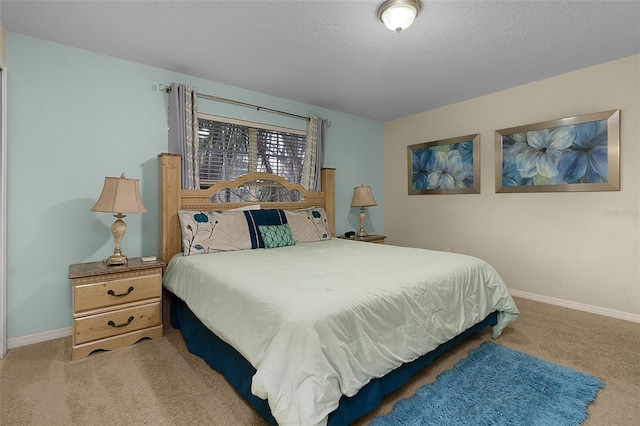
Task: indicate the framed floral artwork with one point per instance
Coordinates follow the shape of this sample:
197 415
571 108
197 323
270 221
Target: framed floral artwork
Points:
448 166
571 154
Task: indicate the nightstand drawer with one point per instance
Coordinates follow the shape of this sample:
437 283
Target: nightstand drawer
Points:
94 327
117 292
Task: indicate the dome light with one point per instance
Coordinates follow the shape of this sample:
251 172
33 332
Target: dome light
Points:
398 15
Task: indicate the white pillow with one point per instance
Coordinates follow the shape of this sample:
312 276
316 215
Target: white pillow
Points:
210 232
308 224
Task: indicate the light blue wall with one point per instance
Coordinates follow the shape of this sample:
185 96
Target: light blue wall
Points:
75 117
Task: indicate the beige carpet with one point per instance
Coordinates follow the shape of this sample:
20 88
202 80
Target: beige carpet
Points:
160 383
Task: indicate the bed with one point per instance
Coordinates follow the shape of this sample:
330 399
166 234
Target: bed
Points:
310 329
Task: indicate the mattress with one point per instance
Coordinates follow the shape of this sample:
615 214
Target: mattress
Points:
320 320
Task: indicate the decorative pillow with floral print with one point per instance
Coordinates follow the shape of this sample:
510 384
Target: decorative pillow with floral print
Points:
308 224
210 232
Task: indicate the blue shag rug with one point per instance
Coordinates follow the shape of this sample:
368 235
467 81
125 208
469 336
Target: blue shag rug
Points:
496 385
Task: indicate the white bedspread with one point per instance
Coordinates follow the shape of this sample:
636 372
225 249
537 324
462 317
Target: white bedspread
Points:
319 320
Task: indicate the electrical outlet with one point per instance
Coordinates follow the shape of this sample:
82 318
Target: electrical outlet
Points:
448 249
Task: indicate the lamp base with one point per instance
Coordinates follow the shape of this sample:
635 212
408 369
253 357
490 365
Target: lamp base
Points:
116 259
118 228
363 217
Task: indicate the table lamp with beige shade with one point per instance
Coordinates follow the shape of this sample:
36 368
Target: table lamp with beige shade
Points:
363 198
119 195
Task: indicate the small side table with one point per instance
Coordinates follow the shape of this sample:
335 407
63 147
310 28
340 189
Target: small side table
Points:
371 238
115 306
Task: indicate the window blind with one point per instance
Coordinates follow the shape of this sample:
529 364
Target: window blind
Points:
230 148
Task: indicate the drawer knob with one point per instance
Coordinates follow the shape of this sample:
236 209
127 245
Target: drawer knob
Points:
124 324
112 293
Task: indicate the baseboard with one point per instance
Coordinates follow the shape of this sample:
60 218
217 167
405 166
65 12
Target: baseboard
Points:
29 339
577 306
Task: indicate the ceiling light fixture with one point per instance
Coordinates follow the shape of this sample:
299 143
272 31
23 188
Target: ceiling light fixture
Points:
398 15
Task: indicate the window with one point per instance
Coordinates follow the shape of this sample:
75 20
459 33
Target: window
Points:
230 148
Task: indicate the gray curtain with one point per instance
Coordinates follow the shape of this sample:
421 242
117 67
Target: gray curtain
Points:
314 153
183 132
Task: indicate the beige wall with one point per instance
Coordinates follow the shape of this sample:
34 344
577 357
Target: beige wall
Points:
577 247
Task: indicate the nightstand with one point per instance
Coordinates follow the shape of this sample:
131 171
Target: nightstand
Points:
115 306
371 238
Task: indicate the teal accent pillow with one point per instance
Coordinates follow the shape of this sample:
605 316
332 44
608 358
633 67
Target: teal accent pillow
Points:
276 235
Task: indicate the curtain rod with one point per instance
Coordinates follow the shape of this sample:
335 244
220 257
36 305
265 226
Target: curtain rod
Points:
245 104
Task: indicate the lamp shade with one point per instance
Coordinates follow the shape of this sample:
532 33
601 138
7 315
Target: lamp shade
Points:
120 195
398 15
362 197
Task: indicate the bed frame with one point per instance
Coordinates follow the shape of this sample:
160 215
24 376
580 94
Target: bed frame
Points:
173 198
218 354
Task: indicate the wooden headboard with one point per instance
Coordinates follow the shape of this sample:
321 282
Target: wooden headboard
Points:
173 199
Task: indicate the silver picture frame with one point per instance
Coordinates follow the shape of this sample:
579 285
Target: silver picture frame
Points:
579 153
447 166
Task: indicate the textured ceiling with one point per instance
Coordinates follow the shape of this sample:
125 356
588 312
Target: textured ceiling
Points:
337 54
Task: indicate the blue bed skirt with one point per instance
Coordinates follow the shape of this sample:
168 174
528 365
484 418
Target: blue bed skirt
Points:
221 356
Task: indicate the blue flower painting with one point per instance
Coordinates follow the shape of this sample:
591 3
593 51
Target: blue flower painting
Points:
568 154
444 166
572 155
